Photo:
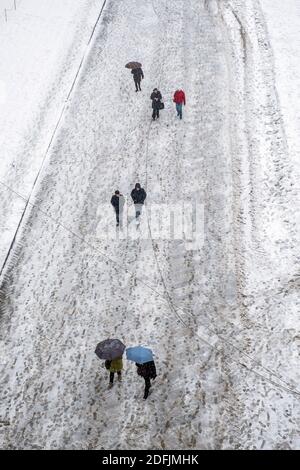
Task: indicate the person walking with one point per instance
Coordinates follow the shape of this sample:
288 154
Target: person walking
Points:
118 202
114 366
138 76
156 103
148 372
179 100
138 196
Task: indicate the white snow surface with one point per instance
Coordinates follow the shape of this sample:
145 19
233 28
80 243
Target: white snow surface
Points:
222 320
42 45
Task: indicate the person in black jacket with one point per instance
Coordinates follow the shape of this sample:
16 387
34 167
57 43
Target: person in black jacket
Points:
148 372
156 103
138 195
118 202
138 75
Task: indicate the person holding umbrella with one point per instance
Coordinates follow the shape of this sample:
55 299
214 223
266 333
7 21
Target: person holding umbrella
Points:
111 350
148 372
138 76
143 359
137 72
156 103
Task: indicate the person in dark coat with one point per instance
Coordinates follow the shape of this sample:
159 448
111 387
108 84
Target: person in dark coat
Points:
156 103
118 202
138 75
148 372
138 195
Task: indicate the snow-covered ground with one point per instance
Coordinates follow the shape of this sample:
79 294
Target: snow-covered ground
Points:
222 319
42 45
284 29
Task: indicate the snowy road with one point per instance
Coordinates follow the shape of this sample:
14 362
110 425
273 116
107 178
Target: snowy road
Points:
222 319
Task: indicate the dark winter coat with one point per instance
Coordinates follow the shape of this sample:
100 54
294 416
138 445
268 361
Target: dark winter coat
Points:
156 99
118 202
179 97
137 74
147 370
138 196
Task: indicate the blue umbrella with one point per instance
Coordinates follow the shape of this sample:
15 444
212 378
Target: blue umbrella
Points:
139 354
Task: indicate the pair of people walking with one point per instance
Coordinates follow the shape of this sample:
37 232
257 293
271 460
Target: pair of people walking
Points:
146 370
156 96
112 349
138 76
157 104
138 195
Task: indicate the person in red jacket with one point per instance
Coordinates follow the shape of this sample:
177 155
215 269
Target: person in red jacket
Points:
179 99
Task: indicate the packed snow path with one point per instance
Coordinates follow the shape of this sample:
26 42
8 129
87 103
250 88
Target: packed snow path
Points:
228 363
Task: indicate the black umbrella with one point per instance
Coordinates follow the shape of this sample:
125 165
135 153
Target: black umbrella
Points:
133 65
110 349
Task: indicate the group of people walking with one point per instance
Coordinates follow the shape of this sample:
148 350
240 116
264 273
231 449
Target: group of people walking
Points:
156 96
113 364
138 196
157 104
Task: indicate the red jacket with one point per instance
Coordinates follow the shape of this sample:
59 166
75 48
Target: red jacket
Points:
179 97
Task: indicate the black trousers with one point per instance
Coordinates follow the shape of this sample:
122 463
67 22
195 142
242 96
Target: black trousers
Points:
137 85
155 113
147 386
111 376
118 217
